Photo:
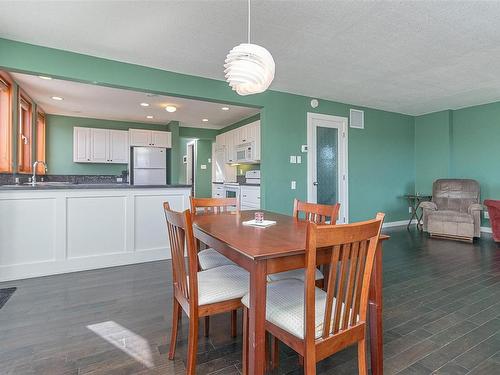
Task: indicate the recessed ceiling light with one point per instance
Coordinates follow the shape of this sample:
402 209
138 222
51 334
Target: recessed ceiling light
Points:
205 120
150 117
57 98
225 108
45 77
145 104
170 108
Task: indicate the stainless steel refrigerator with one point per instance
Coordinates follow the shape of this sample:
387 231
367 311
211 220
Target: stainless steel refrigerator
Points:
148 166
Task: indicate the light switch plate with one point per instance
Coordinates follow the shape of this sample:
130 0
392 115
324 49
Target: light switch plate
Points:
293 185
293 159
486 214
299 159
203 166
209 160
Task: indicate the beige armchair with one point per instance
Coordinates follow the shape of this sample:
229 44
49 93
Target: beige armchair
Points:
455 211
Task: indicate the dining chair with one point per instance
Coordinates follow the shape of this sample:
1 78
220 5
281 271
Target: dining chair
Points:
316 213
198 293
317 323
211 258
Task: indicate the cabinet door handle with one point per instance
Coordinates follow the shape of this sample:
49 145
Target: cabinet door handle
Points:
244 196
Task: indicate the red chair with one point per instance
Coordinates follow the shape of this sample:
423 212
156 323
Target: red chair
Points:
494 212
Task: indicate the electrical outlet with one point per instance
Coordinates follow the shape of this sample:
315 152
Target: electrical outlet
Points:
293 159
486 214
293 185
299 159
119 179
409 210
203 166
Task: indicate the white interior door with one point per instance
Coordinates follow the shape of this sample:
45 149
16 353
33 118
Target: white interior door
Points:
327 179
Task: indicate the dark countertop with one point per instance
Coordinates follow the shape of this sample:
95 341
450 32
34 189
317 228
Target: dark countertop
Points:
241 183
42 186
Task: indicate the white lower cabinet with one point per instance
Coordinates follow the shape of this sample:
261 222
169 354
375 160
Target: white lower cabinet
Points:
218 190
249 197
74 230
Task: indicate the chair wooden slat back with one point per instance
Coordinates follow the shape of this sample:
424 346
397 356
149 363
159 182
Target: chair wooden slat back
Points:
317 213
353 249
203 206
180 234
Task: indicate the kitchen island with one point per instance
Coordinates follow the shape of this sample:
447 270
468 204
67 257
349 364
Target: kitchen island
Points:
58 228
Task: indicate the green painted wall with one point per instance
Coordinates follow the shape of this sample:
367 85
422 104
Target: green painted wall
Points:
381 160
59 138
203 183
240 123
432 145
198 133
462 143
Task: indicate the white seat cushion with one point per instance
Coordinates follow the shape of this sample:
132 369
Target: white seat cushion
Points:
299 274
211 258
222 284
285 306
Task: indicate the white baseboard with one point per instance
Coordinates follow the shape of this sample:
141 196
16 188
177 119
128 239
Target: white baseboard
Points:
399 223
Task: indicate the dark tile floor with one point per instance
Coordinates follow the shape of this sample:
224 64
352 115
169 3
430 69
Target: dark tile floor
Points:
442 315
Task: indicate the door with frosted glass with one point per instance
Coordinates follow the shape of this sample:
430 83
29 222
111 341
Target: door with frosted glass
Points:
327 162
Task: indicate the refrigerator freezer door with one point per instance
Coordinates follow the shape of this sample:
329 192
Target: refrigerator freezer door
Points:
150 157
150 176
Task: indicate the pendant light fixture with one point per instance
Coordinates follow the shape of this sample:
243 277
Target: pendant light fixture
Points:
249 68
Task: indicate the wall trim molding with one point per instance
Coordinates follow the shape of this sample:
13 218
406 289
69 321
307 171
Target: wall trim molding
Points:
399 223
486 230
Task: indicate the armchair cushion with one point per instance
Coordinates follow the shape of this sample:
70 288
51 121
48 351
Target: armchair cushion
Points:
475 207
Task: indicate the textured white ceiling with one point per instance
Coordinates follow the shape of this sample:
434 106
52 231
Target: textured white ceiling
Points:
92 101
412 57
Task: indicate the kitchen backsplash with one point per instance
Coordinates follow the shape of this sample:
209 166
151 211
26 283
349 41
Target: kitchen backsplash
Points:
10 179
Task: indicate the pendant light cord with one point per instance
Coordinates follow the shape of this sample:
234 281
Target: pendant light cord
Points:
248 21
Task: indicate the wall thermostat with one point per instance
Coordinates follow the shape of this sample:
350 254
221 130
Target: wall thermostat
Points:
314 103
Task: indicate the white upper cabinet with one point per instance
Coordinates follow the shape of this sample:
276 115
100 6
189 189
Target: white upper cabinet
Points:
99 145
249 133
231 147
81 145
150 138
140 137
161 139
118 146
92 145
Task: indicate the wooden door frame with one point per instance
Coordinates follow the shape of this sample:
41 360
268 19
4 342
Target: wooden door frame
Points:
343 183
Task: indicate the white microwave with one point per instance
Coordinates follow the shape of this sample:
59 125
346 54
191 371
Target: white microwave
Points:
245 152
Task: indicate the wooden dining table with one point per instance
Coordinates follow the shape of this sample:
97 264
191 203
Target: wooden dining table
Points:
277 248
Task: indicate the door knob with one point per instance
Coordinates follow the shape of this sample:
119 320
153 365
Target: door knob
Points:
315 183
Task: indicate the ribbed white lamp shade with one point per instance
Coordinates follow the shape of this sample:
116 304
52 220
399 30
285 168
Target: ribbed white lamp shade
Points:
249 69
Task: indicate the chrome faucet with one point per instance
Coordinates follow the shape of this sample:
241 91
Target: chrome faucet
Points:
35 164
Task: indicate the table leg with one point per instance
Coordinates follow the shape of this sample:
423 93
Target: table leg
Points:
375 306
257 319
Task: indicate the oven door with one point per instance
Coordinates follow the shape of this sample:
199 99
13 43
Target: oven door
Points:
231 193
